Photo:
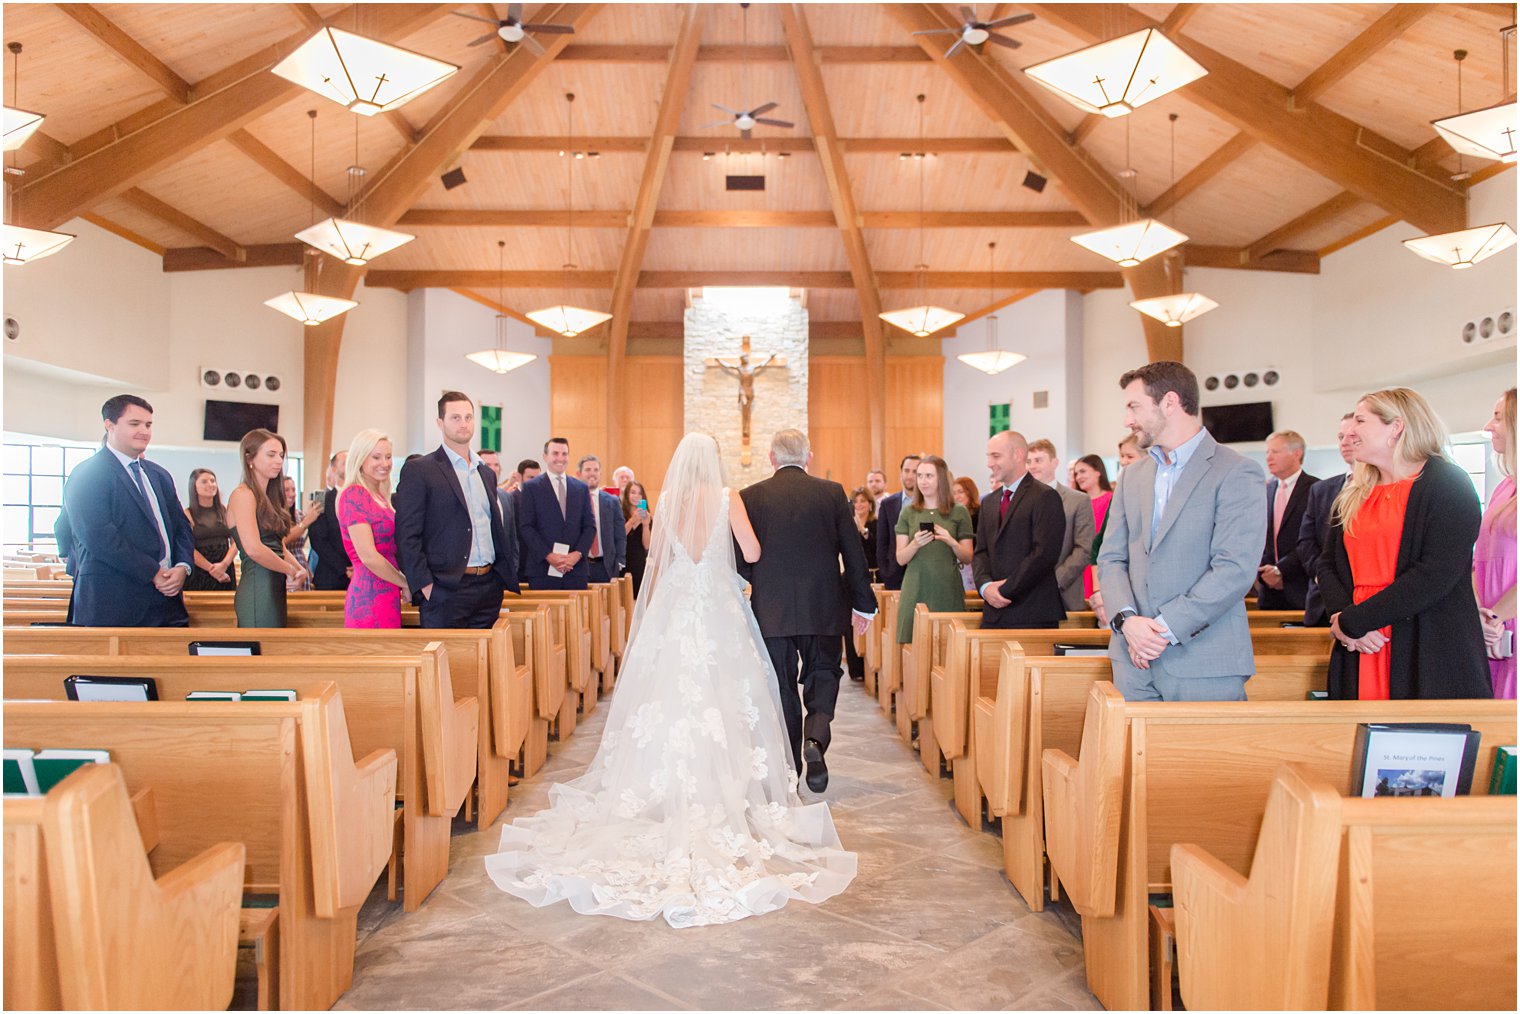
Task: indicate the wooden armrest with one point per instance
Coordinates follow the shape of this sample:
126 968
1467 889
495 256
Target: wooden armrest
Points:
450 735
145 809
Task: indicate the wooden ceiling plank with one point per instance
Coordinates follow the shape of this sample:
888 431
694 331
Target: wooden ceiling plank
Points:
268 159
307 15
128 50
121 164
124 233
445 278
1399 19
851 145
972 219
995 306
1311 219
1314 136
1177 20
170 215
646 53
264 255
1201 255
683 58
815 99
1016 112
727 219
518 218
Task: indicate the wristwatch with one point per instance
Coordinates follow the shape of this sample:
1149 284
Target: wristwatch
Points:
1117 623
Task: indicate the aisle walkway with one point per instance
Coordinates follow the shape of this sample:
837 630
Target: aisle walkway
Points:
930 923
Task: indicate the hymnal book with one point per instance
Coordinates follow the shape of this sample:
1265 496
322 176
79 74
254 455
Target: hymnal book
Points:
1502 782
1413 759
224 647
213 695
268 695
110 688
20 774
1079 650
1317 695
53 766
561 548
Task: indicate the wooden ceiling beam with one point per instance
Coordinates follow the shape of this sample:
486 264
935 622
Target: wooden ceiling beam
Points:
128 50
447 278
993 307
127 234
259 255
1212 166
815 99
637 53
717 145
1304 262
268 159
1368 43
307 15
1314 136
675 330
1311 219
672 219
125 159
1180 15
169 215
683 57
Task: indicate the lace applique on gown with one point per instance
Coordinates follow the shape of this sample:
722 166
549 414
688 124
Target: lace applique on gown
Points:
690 809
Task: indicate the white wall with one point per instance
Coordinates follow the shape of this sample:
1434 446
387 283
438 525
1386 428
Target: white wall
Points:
373 387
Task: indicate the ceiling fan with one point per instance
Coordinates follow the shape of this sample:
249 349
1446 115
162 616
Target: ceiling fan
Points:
974 33
746 119
512 29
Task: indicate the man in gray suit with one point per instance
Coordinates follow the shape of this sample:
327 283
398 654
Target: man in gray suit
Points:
1076 547
1184 538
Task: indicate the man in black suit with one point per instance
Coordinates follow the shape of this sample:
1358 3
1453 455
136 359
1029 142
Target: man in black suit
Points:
888 569
1314 529
131 545
449 528
1282 582
609 549
333 569
1018 542
555 510
799 598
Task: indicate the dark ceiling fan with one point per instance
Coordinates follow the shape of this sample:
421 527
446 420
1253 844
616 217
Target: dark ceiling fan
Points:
511 28
974 33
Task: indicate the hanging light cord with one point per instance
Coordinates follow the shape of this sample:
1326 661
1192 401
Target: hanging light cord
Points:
501 286
991 297
923 157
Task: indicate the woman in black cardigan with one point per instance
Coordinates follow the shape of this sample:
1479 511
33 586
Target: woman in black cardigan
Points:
1435 640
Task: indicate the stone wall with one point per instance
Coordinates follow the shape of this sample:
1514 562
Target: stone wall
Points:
712 394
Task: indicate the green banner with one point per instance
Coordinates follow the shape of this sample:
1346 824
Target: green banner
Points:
999 419
490 428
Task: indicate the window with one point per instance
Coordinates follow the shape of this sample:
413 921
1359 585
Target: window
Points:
1471 453
33 488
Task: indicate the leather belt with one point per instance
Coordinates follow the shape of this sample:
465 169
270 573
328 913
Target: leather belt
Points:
477 571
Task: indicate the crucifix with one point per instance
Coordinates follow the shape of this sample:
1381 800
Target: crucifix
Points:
746 374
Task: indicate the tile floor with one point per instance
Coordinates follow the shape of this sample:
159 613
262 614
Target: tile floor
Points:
929 924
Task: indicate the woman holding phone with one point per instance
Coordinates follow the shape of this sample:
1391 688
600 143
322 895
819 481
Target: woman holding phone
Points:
635 504
934 537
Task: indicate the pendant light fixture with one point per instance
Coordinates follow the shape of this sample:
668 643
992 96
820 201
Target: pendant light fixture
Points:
20 124
923 320
364 76
1116 77
991 360
1483 133
1177 309
311 308
348 239
1461 250
20 244
1134 239
563 319
500 359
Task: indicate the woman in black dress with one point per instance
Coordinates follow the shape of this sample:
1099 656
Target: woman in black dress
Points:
863 513
214 551
638 525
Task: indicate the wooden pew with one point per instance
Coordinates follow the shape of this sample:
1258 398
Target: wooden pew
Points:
1153 775
402 703
586 640
281 779
888 655
481 665
1354 904
87 927
924 662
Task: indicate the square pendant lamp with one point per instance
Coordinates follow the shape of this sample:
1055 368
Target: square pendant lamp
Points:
20 125
1175 310
1484 133
362 75
922 321
23 245
352 242
1116 77
1463 249
1129 244
992 361
309 308
568 321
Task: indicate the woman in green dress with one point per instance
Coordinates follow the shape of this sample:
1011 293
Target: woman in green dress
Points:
259 528
934 537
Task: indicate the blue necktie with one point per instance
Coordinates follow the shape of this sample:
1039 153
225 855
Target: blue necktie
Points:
142 487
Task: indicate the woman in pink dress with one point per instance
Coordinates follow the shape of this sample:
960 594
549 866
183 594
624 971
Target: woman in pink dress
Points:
1092 478
1494 555
368 524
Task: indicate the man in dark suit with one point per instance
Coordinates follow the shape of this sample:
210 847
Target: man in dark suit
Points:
799 598
555 509
1018 542
609 549
131 541
887 512
333 569
1314 529
1282 582
449 533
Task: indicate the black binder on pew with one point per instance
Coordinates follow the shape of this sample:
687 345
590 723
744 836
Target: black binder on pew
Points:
224 647
1080 650
110 688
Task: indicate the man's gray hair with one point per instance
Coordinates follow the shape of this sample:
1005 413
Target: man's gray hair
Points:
790 447
1292 438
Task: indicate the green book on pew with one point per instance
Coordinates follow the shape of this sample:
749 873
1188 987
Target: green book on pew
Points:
53 766
20 775
269 695
1502 781
1317 695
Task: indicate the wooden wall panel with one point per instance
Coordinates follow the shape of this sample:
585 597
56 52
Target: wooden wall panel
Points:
915 407
837 415
577 403
654 411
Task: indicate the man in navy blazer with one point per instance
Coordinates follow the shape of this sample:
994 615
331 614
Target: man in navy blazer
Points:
1314 529
555 508
887 513
609 550
449 532
1282 581
131 543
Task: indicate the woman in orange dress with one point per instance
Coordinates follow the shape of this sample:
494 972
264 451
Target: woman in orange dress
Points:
1396 572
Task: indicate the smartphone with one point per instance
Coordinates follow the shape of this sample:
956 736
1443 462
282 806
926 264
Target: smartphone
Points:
644 505
315 497
926 526
1507 644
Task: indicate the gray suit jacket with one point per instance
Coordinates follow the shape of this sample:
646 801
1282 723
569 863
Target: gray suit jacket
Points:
1076 548
1197 570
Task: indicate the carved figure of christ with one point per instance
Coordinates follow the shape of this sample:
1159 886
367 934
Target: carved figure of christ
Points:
746 374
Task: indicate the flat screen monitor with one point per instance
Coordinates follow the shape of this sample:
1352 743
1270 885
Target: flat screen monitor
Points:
231 420
1238 424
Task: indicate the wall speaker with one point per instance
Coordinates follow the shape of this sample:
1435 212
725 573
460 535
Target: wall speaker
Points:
216 378
12 329
1034 181
1242 378
453 178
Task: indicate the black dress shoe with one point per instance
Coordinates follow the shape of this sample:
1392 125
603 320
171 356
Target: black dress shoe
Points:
817 770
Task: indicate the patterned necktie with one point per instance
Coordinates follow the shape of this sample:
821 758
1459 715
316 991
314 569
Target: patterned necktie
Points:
1003 507
142 487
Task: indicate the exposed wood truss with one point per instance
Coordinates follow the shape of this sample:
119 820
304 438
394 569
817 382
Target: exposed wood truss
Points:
127 49
283 171
1399 19
538 218
147 203
471 278
737 145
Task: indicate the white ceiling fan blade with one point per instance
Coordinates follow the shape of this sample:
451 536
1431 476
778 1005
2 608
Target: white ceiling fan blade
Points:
514 12
731 112
968 15
551 29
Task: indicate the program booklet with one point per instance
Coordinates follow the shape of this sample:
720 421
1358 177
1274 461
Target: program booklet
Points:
1413 759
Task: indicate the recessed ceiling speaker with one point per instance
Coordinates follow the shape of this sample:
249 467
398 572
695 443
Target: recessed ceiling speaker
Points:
12 329
1252 379
453 178
1211 383
1270 378
1034 181
271 383
253 382
232 380
1231 381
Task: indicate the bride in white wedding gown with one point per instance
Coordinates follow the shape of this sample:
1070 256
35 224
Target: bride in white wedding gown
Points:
690 808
